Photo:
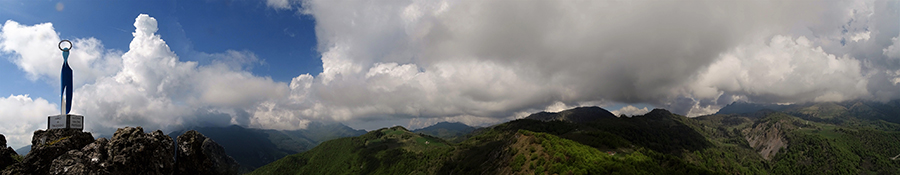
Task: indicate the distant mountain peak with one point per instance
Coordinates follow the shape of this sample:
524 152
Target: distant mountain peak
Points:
398 127
747 107
575 115
448 124
451 131
660 112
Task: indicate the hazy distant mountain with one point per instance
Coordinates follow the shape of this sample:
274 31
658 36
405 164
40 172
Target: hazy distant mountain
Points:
827 112
253 148
577 115
743 108
23 150
854 137
453 132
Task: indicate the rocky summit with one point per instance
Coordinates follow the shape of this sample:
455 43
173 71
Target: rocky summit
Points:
47 146
129 151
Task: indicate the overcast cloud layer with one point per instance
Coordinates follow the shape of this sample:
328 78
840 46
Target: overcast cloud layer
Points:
498 58
480 62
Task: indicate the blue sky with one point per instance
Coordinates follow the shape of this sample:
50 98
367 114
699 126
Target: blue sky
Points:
281 64
285 40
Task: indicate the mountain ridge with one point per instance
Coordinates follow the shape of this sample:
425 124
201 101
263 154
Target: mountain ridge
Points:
253 148
577 115
450 131
817 138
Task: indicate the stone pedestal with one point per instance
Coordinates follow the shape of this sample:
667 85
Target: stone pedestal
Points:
65 121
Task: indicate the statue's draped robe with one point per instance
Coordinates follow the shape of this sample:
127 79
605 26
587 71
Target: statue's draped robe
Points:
66 77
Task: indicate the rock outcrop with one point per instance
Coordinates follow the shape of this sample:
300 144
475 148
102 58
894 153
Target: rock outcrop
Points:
6 154
47 145
198 154
130 151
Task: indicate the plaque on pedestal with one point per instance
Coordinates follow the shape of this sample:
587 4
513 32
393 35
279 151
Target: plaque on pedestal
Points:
65 121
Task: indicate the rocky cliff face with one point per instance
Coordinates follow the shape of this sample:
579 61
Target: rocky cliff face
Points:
129 151
768 137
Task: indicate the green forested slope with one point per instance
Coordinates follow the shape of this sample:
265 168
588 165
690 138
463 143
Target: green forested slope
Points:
384 151
799 139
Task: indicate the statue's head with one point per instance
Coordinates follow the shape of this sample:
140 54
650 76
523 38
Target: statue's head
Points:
65 49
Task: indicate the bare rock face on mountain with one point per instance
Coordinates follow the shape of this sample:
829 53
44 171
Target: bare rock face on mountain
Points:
198 154
6 157
767 137
130 151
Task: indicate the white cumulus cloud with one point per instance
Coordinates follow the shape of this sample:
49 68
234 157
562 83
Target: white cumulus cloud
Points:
32 49
280 4
630 111
21 116
145 86
781 70
893 51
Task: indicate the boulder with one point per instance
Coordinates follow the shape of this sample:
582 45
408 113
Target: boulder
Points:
198 154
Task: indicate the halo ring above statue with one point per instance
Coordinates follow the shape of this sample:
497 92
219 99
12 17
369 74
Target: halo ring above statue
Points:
66 49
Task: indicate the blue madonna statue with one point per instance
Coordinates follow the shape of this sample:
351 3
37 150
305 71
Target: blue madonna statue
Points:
66 77
65 120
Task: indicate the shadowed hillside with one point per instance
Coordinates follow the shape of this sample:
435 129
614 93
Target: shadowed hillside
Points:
577 115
